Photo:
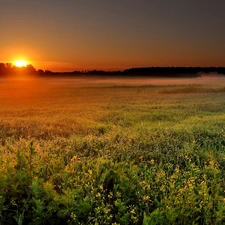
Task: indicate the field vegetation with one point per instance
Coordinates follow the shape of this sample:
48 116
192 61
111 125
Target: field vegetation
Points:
111 154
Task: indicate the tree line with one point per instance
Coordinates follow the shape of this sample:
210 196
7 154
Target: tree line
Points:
9 70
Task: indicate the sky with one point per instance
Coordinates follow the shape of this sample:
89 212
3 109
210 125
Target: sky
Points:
67 35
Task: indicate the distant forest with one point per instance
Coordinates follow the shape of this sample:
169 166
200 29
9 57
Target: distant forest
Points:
8 70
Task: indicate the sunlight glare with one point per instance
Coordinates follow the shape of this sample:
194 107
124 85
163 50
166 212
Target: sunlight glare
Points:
20 63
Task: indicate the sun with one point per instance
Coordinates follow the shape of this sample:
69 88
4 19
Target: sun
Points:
20 63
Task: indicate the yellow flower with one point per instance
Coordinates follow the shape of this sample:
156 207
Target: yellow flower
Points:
132 211
146 197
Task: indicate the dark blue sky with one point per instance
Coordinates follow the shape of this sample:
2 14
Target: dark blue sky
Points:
113 34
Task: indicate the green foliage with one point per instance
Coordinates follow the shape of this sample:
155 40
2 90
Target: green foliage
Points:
104 155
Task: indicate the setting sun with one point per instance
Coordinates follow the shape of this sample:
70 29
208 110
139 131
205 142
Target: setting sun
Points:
20 63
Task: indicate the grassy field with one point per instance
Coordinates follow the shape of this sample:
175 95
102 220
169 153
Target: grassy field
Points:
74 152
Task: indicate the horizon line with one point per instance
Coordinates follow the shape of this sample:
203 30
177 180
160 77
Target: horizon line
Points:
118 70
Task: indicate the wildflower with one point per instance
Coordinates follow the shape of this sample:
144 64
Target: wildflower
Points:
118 194
110 195
106 210
132 211
73 216
146 197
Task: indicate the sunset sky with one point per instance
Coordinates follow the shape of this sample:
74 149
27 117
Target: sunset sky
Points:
112 34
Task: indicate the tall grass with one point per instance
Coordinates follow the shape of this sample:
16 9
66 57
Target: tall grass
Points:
111 155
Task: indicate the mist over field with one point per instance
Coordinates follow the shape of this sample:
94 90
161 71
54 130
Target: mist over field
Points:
203 79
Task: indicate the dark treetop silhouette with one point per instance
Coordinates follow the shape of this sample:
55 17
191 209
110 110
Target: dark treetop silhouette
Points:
8 70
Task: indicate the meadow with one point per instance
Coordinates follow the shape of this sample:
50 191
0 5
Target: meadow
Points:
112 152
